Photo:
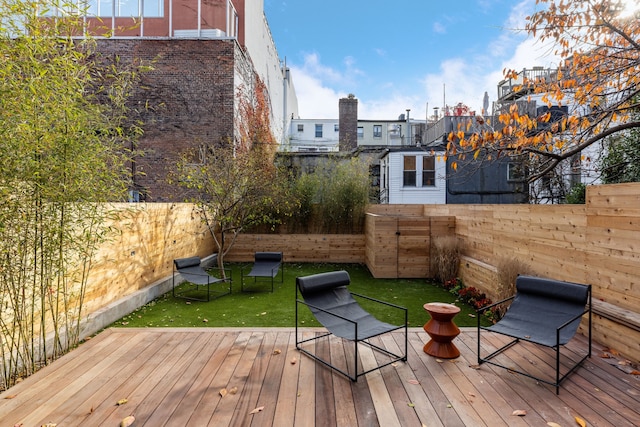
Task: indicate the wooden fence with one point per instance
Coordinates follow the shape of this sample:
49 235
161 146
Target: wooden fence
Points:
597 243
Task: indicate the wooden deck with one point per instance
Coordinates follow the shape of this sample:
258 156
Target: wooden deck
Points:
173 377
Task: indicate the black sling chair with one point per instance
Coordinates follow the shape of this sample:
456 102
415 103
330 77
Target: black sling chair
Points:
334 307
545 312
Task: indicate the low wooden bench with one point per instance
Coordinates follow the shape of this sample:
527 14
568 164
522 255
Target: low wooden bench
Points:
617 314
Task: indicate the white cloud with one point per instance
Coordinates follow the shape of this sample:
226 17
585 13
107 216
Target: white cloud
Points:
466 79
460 79
439 28
315 99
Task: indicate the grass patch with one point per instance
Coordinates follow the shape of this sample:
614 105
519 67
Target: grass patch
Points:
277 309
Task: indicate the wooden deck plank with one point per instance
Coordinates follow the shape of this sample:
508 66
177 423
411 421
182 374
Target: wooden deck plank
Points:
239 405
31 393
285 411
456 401
423 370
185 374
305 412
70 385
216 351
402 406
119 370
173 377
342 394
146 398
270 390
125 381
379 394
362 400
416 394
325 408
486 382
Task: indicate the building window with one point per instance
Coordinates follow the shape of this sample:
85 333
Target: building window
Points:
428 171
515 172
318 131
377 131
409 172
336 128
125 8
300 128
360 132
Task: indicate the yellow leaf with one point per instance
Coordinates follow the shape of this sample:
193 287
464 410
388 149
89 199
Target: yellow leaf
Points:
127 421
223 392
277 351
580 422
233 390
552 424
121 402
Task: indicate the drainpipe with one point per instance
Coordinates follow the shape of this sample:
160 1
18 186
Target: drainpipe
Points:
170 18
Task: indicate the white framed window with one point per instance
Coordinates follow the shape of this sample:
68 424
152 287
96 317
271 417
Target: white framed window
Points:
377 131
318 131
336 128
360 132
300 128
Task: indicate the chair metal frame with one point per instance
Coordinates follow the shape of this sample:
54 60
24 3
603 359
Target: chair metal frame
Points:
357 339
554 344
265 265
191 271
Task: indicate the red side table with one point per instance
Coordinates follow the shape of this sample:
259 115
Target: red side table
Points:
442 330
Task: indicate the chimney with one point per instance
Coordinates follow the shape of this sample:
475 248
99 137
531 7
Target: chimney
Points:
348 122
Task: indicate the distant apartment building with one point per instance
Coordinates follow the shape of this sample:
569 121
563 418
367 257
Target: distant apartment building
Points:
312 136
204 53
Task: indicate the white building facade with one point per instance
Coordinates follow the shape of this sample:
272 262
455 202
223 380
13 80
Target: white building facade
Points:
413 176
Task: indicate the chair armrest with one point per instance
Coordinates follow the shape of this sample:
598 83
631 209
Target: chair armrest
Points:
573 319
487 307
379 301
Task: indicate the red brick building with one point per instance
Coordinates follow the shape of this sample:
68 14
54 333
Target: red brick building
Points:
203 52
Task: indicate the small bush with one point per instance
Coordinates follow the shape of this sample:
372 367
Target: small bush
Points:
446 258
577 195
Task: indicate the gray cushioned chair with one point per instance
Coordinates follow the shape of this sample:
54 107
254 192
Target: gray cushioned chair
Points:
332 304
192 272
266 265
545 312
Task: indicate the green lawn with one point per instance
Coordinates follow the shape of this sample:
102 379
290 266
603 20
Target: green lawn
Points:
277 309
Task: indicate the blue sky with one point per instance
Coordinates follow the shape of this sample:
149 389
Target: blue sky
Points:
399 54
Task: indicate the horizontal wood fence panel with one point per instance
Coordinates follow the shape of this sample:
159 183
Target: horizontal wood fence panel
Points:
339 248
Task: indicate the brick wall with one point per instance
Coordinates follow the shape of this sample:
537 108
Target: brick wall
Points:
348 116
190 96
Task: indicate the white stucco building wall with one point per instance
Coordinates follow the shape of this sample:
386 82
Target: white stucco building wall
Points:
277 78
